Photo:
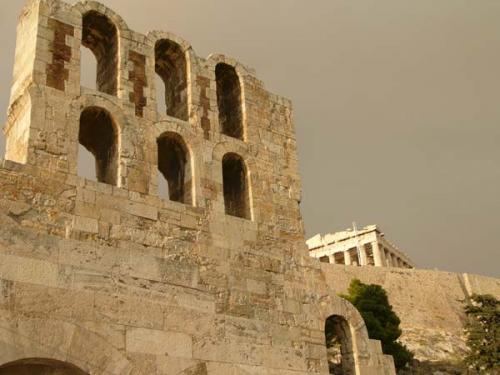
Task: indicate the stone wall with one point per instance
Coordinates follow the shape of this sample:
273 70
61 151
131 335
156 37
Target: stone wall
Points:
112 278
429 304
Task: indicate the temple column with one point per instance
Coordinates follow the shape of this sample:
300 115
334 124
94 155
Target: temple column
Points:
394 260
378 256
332 259
363 261
347 258
388 258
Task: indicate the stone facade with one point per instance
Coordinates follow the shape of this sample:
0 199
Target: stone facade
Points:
365 247
106 276
429 303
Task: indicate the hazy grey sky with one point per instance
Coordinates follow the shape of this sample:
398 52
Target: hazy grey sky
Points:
396 108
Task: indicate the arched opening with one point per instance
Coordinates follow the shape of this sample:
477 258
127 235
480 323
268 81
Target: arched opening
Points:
339 346
98 135
100 35
170 66
38 366
174 167
229 101
235 186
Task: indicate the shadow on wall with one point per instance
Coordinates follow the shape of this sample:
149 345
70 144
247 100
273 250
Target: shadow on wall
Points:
33 366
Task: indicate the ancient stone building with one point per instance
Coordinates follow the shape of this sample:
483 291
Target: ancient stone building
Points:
109 277
365 247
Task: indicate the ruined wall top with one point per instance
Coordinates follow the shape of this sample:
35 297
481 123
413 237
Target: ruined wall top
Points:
224 144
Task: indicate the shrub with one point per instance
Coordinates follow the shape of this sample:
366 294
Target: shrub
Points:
381 321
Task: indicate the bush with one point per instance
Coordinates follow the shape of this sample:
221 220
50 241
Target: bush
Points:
381 321
483 333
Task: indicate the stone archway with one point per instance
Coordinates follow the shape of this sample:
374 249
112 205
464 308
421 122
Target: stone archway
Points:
40 366
24 339
359 354
339 346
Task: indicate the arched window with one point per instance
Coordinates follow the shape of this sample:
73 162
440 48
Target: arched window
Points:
229 101
174 167
235 186
100 35
170 66
37 366
339 346
99 136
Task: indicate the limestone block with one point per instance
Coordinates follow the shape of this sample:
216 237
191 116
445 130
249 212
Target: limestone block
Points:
142 210
85 224
161 343
122 309
28 270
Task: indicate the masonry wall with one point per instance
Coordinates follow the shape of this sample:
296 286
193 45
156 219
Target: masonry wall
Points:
429 304
114 279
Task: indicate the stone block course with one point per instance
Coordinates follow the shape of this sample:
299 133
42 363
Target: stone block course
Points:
114 278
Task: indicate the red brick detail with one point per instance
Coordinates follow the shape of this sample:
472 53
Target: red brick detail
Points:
57 74
204 84
138 77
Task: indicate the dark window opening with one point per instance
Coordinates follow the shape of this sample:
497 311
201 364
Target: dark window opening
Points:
174 168
170 66
339 257
339 346
235 187
35 366
324 259
353 252
97 134
99 35
370 260
229 101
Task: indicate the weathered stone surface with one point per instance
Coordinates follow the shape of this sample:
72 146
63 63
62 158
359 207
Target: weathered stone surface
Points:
429 303
112 277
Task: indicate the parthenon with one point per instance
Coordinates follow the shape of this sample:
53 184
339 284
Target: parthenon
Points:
366 247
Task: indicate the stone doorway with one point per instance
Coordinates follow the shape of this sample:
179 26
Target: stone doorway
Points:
339 346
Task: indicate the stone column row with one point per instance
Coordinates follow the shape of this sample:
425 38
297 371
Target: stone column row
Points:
382 257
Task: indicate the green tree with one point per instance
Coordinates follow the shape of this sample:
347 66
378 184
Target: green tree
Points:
483 333
381 321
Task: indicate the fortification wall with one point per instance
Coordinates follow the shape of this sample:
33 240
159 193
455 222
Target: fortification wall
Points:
429 304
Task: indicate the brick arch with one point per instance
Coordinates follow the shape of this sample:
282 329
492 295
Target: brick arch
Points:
332 305
241 150
192 146
105 39
215 60
23 338
155 35
47 366
84 6
185 47
120 122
